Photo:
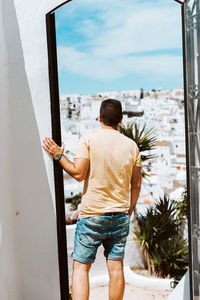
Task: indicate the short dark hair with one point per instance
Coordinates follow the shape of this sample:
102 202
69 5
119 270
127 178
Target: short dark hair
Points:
111 112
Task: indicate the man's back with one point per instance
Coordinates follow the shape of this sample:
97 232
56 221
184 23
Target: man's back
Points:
112 157
109 163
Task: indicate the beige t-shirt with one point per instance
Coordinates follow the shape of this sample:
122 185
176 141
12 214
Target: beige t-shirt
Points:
107 185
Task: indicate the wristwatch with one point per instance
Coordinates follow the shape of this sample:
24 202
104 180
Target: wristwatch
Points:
58 157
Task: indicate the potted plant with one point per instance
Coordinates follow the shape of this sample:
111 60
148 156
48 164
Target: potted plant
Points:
73 209
158 232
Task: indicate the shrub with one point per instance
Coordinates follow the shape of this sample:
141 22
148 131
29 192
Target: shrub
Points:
75 200
182 207
145 140
160 238
170 258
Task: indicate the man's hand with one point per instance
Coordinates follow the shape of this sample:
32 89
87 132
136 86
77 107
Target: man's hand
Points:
52 148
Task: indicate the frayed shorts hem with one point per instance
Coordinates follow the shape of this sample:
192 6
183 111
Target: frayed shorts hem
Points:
112 257
82 260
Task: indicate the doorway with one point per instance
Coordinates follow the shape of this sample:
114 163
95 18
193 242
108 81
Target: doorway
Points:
73 113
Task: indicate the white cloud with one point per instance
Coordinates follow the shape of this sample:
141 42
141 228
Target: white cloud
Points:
117 67
144 30
119 29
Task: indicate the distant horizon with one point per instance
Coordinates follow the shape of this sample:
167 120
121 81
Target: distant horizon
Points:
93 91
118 47
120 91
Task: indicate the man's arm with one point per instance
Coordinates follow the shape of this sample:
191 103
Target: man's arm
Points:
135 188
78 169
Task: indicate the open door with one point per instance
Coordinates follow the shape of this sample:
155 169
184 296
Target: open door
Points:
58 172
191 64
191 47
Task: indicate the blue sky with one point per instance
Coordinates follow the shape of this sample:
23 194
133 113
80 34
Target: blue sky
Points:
114 45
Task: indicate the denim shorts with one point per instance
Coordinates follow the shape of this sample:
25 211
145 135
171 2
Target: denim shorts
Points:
109 229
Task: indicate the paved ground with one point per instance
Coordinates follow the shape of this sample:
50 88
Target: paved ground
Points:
131 293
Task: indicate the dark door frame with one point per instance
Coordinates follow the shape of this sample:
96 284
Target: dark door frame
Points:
56 135
183 9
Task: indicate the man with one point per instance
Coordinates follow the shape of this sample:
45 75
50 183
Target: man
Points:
109 162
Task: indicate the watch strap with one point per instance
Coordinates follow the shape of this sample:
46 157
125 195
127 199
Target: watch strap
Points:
58 157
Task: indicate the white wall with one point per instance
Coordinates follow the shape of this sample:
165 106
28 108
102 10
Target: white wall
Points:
28 239
182 290
32 26
9 273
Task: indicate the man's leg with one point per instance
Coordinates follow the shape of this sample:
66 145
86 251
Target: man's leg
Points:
80 281
117 282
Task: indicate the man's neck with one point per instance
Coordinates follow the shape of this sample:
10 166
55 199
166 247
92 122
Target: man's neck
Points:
103 126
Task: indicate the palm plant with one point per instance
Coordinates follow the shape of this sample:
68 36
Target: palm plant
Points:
157 223
158 233
145 140
75 201
171 257
182 207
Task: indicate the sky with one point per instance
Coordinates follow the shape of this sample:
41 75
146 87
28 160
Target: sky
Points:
115 45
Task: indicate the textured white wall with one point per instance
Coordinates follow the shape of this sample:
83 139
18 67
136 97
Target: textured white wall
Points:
32 25
9 273
28 238
182 290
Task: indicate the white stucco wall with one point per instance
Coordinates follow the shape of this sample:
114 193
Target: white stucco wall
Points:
32 25
182 290
28 238
9 273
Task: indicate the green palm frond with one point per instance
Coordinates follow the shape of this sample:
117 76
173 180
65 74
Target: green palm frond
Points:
171 256
145 140
182 207
158 233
